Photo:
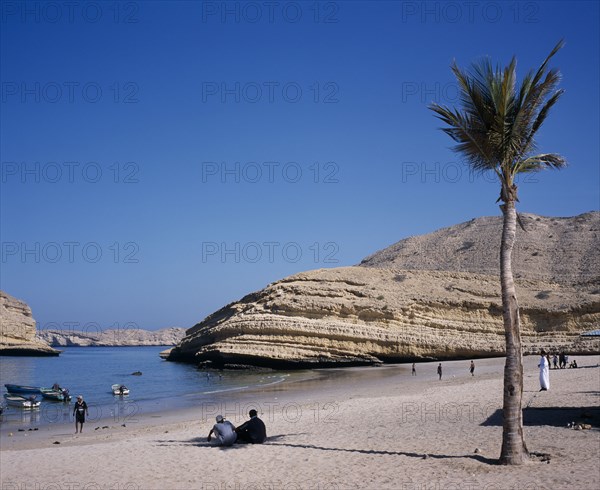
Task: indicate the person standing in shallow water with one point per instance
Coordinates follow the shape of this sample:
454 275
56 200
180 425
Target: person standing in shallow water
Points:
439 370
472 369
80 410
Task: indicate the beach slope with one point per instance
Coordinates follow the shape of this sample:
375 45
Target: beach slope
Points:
360 428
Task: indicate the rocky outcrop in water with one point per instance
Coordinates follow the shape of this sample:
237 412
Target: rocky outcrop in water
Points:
431 297
112 338
17 330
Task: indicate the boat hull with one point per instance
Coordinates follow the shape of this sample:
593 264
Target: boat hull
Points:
25 390
54 395
20 401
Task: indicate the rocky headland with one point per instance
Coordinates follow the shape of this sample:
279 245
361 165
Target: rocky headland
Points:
17 330
435 296
112 337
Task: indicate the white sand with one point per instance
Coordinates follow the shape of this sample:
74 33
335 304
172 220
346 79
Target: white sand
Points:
398 432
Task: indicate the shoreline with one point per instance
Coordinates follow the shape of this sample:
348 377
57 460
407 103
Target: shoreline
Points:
164 387
364 427
395 379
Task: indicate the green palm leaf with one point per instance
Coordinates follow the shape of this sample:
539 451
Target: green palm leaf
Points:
495 125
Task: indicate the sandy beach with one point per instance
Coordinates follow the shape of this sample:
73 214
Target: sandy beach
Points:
373 428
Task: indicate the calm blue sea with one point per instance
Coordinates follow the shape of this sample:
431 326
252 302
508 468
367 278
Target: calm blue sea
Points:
90 371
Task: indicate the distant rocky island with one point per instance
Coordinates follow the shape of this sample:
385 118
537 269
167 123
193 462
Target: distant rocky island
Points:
435 296
112 338
18 335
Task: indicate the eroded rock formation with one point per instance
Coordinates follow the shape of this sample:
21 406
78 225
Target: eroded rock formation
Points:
431 297
17 330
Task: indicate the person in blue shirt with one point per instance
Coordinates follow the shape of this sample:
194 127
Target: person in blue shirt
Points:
224 432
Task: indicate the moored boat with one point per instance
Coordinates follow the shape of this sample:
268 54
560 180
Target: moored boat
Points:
21 401
56 395
118 389
23 390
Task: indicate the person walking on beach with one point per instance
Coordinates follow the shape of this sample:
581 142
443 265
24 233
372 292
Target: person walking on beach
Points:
80 410
224 432
253 431
439 370
544 366
555 361
472 369
414 370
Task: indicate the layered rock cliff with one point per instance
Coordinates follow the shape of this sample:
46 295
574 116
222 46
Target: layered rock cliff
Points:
431 297
17 330
112 338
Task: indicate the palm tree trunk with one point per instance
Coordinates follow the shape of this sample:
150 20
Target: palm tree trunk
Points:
514 451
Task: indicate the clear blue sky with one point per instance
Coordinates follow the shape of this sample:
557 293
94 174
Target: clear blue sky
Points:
162 159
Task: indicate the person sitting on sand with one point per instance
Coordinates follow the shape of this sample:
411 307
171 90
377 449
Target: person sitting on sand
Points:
224 432
253 431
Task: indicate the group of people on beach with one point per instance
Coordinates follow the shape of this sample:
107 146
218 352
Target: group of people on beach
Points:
254 431
440 371
559 361
225 433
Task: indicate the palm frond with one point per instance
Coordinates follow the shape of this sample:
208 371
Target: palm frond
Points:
540 162
472 142
540 73
495 123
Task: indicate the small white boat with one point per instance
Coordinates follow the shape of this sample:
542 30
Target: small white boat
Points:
120 389
21 401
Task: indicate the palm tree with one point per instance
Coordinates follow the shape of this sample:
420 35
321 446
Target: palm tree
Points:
494 128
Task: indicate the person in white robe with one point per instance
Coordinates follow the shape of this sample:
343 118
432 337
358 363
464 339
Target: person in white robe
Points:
544 366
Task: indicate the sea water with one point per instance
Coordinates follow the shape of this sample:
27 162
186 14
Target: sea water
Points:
90 371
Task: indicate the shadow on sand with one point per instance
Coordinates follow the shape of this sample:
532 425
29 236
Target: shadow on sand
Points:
552 416
275 441
202 442
476 457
